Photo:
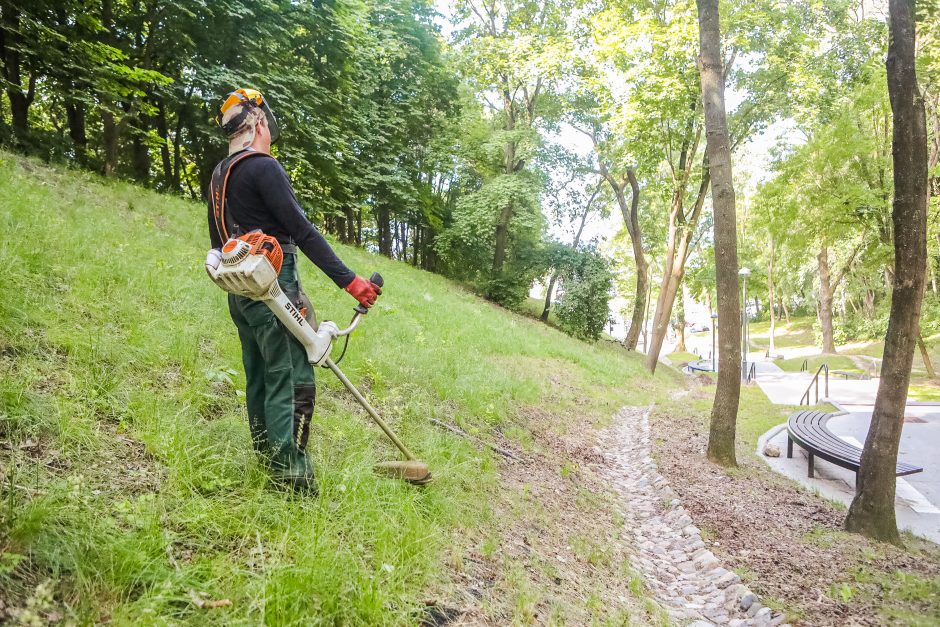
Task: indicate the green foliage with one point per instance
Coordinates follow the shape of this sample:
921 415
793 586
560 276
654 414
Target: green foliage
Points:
857 328
582 306
364 92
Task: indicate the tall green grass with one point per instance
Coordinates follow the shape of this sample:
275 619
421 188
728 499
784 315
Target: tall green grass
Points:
128 481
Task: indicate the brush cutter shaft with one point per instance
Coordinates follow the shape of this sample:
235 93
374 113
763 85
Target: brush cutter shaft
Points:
317 343
368 407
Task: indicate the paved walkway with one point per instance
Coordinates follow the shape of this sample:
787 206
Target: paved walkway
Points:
787 388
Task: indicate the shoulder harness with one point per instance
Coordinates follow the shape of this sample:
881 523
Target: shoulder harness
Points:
224 225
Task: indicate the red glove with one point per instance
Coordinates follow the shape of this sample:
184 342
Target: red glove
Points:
364 291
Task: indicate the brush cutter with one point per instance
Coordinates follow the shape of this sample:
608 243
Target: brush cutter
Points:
248 266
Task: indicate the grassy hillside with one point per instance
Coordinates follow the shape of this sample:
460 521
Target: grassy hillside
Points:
129 488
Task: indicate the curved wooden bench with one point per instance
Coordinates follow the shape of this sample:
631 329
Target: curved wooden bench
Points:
809 430
861 376
701 365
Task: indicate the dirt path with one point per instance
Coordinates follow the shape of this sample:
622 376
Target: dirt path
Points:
558 555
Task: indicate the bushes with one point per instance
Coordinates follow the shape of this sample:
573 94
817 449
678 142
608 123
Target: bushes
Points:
582 307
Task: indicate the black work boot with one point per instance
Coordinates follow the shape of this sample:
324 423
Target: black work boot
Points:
301 485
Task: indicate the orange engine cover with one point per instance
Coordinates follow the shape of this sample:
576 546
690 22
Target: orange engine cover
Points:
265 245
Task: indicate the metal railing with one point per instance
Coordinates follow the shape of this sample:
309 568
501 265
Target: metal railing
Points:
805 366
815 381
751 373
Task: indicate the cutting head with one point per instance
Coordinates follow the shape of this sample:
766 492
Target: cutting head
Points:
412 471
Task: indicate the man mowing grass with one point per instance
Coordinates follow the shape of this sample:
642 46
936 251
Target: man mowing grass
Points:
250 191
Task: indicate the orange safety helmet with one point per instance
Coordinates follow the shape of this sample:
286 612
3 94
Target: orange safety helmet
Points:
248 99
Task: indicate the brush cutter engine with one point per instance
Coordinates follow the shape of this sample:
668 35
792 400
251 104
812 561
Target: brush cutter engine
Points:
248 266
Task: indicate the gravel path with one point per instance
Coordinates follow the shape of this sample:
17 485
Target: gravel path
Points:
684 576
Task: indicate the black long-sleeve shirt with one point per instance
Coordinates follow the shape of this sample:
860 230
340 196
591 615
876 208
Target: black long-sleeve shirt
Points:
260 196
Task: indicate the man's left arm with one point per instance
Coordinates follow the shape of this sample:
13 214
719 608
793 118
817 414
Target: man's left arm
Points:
282 203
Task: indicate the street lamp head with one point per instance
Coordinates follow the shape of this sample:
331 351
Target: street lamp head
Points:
745 272
714 316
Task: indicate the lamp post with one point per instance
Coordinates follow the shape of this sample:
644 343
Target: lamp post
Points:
744 273
714 325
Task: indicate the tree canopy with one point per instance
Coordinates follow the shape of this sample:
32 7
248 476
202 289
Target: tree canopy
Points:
470 143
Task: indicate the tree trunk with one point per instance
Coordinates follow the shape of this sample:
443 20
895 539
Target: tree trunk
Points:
384 225
786 310
639 257
140 153
673 271
718 149
110 142
349 237
75 115
855 309
505 215
631 220
359 228
403 241
872 512
165 159
868 304
646 316
925 357
20 100
680 320
341 229
19 108
548 297
502 238
771 351
177 145
825 301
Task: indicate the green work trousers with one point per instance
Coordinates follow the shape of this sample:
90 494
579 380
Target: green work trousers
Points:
280 389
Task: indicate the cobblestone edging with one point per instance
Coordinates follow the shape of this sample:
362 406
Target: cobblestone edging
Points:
686 578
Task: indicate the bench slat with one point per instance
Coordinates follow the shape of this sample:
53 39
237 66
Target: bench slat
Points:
809 429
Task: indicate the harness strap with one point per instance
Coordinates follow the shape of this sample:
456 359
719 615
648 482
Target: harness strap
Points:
218 189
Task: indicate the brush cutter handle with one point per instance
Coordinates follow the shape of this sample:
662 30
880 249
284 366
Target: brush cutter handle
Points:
375 279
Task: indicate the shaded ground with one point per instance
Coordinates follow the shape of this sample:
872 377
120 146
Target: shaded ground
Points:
787 543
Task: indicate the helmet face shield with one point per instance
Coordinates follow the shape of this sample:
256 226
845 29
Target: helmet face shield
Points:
273 127
246 100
